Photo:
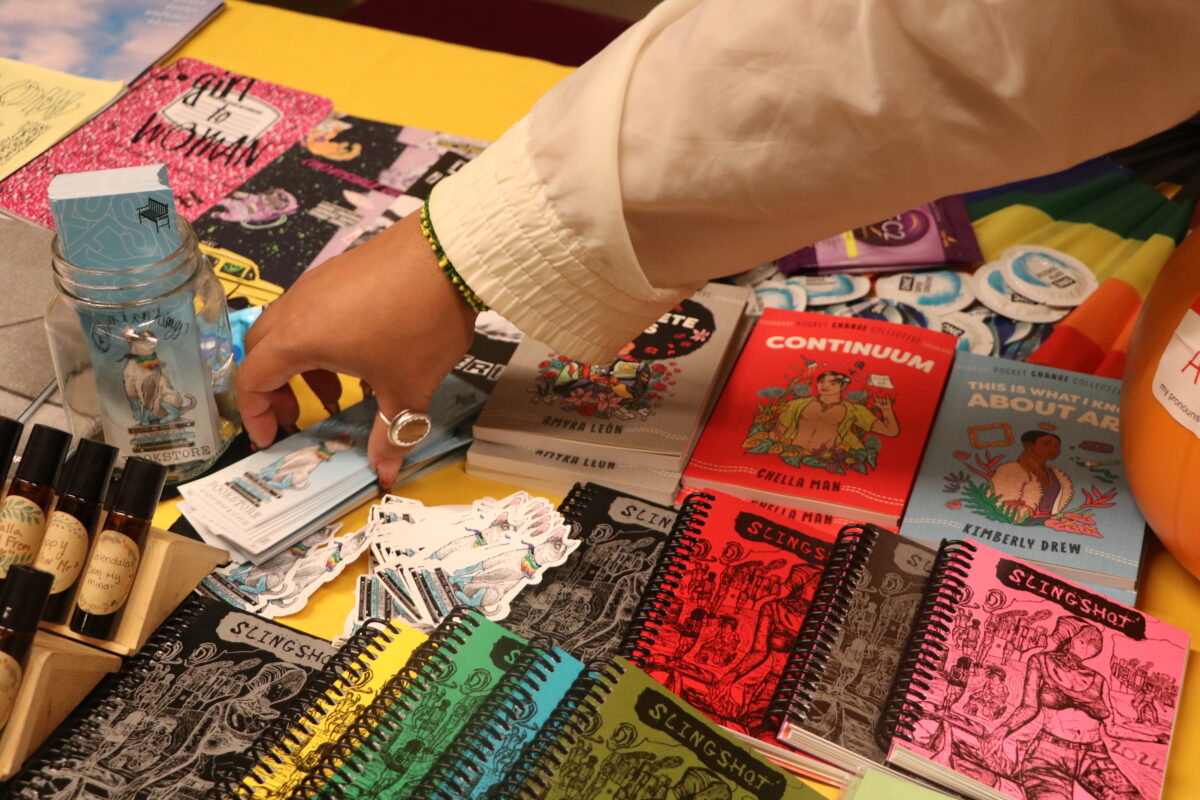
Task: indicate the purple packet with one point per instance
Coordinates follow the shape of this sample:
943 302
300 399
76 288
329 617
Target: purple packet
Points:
931 235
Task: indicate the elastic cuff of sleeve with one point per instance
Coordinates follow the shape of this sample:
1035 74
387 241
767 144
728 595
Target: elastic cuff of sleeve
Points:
502 235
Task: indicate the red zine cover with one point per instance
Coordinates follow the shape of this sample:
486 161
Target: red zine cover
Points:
825 413
211 127
725 631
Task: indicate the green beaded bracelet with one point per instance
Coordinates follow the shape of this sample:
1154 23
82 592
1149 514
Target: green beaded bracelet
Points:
469 296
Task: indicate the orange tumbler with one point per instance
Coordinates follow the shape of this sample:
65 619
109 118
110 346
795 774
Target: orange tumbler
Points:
1160 406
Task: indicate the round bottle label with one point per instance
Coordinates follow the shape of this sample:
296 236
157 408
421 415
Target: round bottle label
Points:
110 574
21 527
63 551
10 682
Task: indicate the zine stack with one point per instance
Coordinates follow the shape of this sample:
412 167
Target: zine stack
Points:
630 423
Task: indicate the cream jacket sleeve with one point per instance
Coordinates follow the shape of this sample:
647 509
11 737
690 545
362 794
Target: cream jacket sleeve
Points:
715 135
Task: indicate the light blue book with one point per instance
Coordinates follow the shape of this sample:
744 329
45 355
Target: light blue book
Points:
490 743
1028 459
115 219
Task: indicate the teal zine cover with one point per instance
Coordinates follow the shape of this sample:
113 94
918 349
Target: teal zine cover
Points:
492 740
1028 459
115 219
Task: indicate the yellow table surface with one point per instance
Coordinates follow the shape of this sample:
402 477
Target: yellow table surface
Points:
408 80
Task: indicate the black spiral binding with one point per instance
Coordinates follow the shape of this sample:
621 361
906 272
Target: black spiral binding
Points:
73 739
806 664
289 732
927 644
666 577
379 722
456 772
577 500
533 775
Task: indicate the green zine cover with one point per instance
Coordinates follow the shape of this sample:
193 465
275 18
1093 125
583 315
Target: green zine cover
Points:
1028 459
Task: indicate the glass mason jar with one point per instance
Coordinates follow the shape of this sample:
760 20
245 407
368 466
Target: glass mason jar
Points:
144 357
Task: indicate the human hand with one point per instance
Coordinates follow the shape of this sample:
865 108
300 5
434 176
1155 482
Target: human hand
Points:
383 312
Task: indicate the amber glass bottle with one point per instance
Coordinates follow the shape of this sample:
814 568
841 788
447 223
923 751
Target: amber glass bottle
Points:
72 524
117 552
21 604
23 513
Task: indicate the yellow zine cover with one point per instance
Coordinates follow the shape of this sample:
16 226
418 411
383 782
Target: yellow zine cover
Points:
372 656
42 106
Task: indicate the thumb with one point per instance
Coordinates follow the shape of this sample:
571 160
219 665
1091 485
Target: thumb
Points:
386 457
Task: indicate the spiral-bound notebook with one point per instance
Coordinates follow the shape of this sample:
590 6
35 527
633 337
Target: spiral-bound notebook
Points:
846 656
392 744
180 712
723 610
586 609
1019 684
286 752
492 740
618 733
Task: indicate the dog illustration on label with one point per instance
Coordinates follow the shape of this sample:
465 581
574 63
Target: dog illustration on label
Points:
293 470
152 398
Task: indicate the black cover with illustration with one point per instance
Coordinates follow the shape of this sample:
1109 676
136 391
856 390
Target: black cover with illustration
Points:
588 606
181 711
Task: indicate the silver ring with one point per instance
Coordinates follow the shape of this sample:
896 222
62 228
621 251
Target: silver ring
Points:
407 428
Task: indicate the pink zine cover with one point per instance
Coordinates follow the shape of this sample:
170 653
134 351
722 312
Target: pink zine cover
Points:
211 127
1041 688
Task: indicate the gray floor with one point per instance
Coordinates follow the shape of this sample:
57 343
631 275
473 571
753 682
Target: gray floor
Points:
26 289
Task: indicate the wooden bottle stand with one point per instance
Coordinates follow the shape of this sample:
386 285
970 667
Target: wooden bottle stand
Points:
64 666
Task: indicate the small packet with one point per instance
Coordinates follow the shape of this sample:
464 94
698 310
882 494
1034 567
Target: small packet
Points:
824 290
974 336
887 311
994 292
936 292
1047 276
930 235
781 294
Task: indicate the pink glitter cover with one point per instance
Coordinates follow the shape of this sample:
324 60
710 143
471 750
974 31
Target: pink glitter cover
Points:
211 127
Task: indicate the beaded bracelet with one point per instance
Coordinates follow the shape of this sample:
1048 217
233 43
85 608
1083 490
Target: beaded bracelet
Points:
469 296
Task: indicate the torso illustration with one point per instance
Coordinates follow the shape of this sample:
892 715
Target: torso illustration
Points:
727 635
1014 480
831 419
1043 705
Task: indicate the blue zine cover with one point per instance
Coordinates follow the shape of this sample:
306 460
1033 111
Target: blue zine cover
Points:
1028 459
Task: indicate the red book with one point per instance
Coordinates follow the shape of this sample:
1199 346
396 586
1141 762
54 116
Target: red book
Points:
825 413
724 608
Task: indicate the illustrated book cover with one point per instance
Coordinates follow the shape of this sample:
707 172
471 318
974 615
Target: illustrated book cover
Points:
315 199
212 128
1019 684
180 712
588 606
724 608
645 407
847 654
825 413
285 753
392 744
619 733
492 740
1027 458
